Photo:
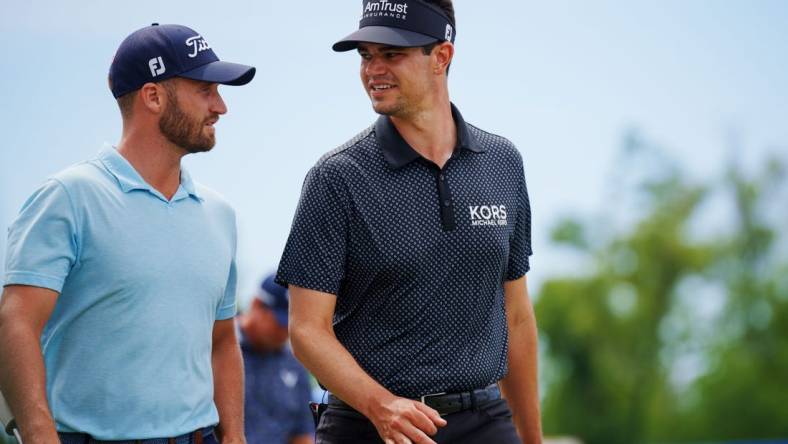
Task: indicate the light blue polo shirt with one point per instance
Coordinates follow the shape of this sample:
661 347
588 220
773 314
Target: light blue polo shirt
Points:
142 281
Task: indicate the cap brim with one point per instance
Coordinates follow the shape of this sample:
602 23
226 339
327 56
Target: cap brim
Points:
383 35
225 73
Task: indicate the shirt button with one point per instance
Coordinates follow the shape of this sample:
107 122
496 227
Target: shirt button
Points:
446 203
442 177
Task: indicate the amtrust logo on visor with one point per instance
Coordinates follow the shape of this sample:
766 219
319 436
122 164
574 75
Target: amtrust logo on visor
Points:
405 23
385 8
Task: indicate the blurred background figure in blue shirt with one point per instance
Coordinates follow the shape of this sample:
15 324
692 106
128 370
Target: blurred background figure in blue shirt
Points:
277 386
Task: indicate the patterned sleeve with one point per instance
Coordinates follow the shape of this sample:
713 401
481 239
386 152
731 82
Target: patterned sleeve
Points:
43 241
314 255
520 241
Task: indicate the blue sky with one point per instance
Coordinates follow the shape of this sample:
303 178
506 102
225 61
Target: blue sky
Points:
562 79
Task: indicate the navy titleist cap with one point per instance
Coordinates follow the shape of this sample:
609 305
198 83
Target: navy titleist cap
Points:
274 296
159 52
399 23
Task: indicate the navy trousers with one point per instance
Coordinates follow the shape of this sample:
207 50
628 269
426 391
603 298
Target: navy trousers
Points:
490 423
209 437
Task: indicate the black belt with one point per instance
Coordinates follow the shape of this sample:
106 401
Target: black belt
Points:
195 437
445 403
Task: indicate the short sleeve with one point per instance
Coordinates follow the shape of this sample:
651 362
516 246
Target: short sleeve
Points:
520 241
227 309
227 305
314 256
43 241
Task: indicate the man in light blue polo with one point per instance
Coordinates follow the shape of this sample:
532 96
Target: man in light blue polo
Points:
117 311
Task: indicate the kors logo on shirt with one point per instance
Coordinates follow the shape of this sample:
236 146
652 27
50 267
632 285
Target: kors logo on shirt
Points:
488 215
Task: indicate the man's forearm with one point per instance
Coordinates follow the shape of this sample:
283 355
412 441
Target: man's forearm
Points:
520 387
323 355
314 343
228 379
23 382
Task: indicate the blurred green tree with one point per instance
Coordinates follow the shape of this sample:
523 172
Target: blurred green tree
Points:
677 329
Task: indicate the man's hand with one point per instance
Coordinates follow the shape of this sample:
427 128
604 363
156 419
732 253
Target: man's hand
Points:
306 438
405 421
397 420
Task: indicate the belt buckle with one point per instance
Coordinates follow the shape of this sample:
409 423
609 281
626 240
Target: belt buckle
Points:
431 395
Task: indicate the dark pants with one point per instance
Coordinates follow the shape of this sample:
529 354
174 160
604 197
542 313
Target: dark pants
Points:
209 437
490 423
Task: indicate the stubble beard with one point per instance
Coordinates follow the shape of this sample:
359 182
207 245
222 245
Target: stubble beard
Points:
183 130
397 109
404 105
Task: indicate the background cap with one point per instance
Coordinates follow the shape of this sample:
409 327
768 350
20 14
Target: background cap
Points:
159 52
404 23
275 297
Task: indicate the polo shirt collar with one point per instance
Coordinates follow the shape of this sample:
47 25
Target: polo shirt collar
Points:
399 153
129 179
187 184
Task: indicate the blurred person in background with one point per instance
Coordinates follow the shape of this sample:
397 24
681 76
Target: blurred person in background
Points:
408 253
277 386
117 315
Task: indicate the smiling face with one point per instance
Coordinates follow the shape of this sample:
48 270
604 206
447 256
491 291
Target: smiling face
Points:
399 81
193 107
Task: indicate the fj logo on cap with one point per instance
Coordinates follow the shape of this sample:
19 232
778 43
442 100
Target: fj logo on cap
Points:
385 8
156 66
488 215
198 44
449 32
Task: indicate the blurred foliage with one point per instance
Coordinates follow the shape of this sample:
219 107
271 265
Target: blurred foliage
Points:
678 330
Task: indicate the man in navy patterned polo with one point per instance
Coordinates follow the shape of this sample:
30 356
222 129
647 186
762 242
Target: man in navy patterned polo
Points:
407 257
277 386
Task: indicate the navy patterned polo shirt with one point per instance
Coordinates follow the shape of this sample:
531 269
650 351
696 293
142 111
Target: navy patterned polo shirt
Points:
416 255
276 396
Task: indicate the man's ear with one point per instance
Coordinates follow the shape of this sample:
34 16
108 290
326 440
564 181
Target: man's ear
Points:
442 57
153 97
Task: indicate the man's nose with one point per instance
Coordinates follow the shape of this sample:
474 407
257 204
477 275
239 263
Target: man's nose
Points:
375 66
218 106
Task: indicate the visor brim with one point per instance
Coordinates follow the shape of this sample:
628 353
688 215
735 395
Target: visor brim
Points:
383 35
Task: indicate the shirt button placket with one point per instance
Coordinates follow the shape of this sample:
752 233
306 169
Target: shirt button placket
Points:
444 196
